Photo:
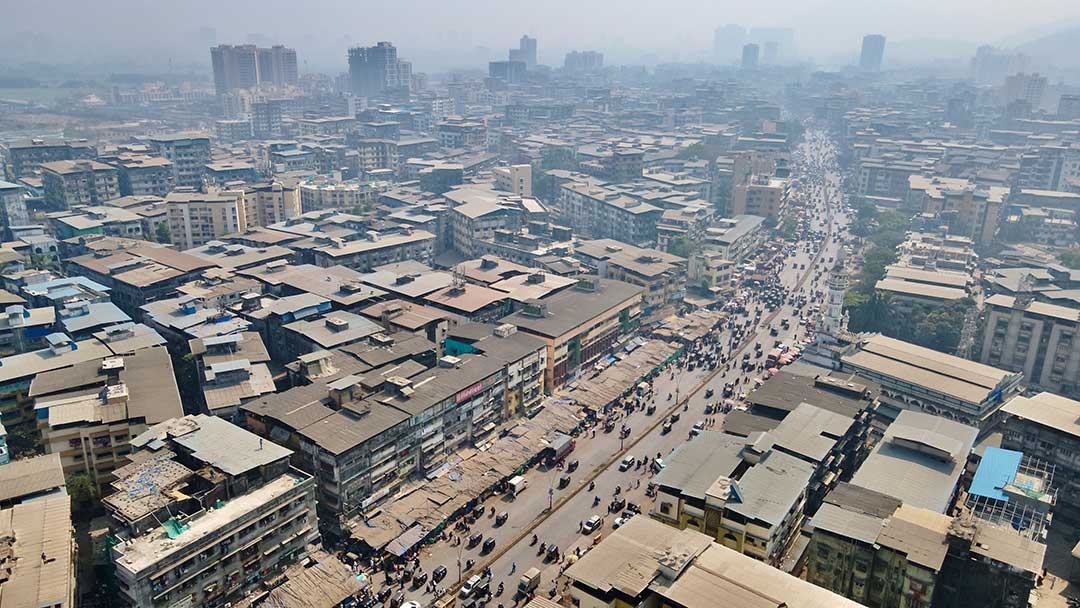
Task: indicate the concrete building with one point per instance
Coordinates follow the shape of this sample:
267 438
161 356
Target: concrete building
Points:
79 182
23 329
1036 338
580 325
661 275
761 195
925 380
358 426
873 50
243 515
908 287
246 66
514 178
88 413
375 249
139 274
270 203
144 175
232 371
24 157
13 210
645 563
750 56
735 238
376 69
966 209
601 212
456 132
1045 426
583 62
196 218
189 154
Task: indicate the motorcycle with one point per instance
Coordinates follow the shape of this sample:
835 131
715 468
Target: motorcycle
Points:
534 540
592 484
499 590
596 501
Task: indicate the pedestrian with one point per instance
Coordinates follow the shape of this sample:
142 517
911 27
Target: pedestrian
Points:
513 567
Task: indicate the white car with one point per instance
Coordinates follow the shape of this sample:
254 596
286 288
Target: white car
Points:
618 522
626 463
592 524
411 604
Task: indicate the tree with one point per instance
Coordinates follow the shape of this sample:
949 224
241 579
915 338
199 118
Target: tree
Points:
1071 258
681 246
21 441
162 233
81 488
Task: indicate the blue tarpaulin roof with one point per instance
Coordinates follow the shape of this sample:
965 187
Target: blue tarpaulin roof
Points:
997 468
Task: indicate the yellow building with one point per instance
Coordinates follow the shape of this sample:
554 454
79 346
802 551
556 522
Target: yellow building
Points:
197 217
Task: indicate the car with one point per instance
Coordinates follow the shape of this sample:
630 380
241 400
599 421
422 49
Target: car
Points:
411 604
708 393
469 587
658 465
618 522
626 463
438 573
592 524
617 504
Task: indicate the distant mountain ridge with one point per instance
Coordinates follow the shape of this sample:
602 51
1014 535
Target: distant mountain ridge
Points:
1061 48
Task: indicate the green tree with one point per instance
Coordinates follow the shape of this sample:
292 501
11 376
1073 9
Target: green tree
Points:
22 441
1071 258
162 234
81 488
681 246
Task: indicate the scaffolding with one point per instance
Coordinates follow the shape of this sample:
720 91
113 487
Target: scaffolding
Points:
1028 500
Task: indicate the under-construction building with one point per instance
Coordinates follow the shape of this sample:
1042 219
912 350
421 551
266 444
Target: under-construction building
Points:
204 512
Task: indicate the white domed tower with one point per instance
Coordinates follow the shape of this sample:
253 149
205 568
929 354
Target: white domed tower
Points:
834 321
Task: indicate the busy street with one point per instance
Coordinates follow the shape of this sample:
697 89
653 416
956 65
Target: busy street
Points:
609 472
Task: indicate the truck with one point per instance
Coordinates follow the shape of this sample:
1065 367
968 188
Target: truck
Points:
528 582
517 484
559 448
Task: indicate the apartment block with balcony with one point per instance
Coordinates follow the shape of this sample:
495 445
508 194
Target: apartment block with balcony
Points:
189 154
196 218
1039 339
602 212
662 275
78 182
205 511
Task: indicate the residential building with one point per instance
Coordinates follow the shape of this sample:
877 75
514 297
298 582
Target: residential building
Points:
23 329
458 132
189 154
196 218
514 178
966 209
1036 338
526 51
750 56
270 203
31 479
139 274
583 62
908 287
925 380
661 275
246 66
243 515
107 220
12 207
40 560
232 371
88 412
605 213
509 72
885 177
24 157
376 69
376 249
78 182
761 195
873 50
316 195
644 562
144 175
735 238
580 325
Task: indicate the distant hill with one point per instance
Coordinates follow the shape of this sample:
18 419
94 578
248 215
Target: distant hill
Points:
1062 48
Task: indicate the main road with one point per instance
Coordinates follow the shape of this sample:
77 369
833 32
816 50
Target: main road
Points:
599 456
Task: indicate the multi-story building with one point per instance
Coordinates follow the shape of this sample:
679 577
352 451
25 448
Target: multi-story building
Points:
243 515
13 210
189 154
143 175
79 182
873 50
138 275
233 130
514 178
461 133
580 325
925 380
246 66
267 115
750 56
479 213
761 195
967 210
606 213
509 72
270 203
377 249
317 194
885 177
88 413
661 275
23 329
645 563
1036 338
735 238
24 157
196 218
583 61
1045 426
358 427
374 70
232 371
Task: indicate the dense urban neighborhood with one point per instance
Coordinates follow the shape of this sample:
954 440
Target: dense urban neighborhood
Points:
746 334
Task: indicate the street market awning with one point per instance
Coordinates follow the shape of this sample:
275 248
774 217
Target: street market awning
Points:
408 539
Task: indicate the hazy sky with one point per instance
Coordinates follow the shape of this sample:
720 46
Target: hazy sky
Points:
440 34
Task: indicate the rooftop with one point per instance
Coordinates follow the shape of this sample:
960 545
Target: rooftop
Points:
30 477
215 441
573 307
37 554
1047 409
